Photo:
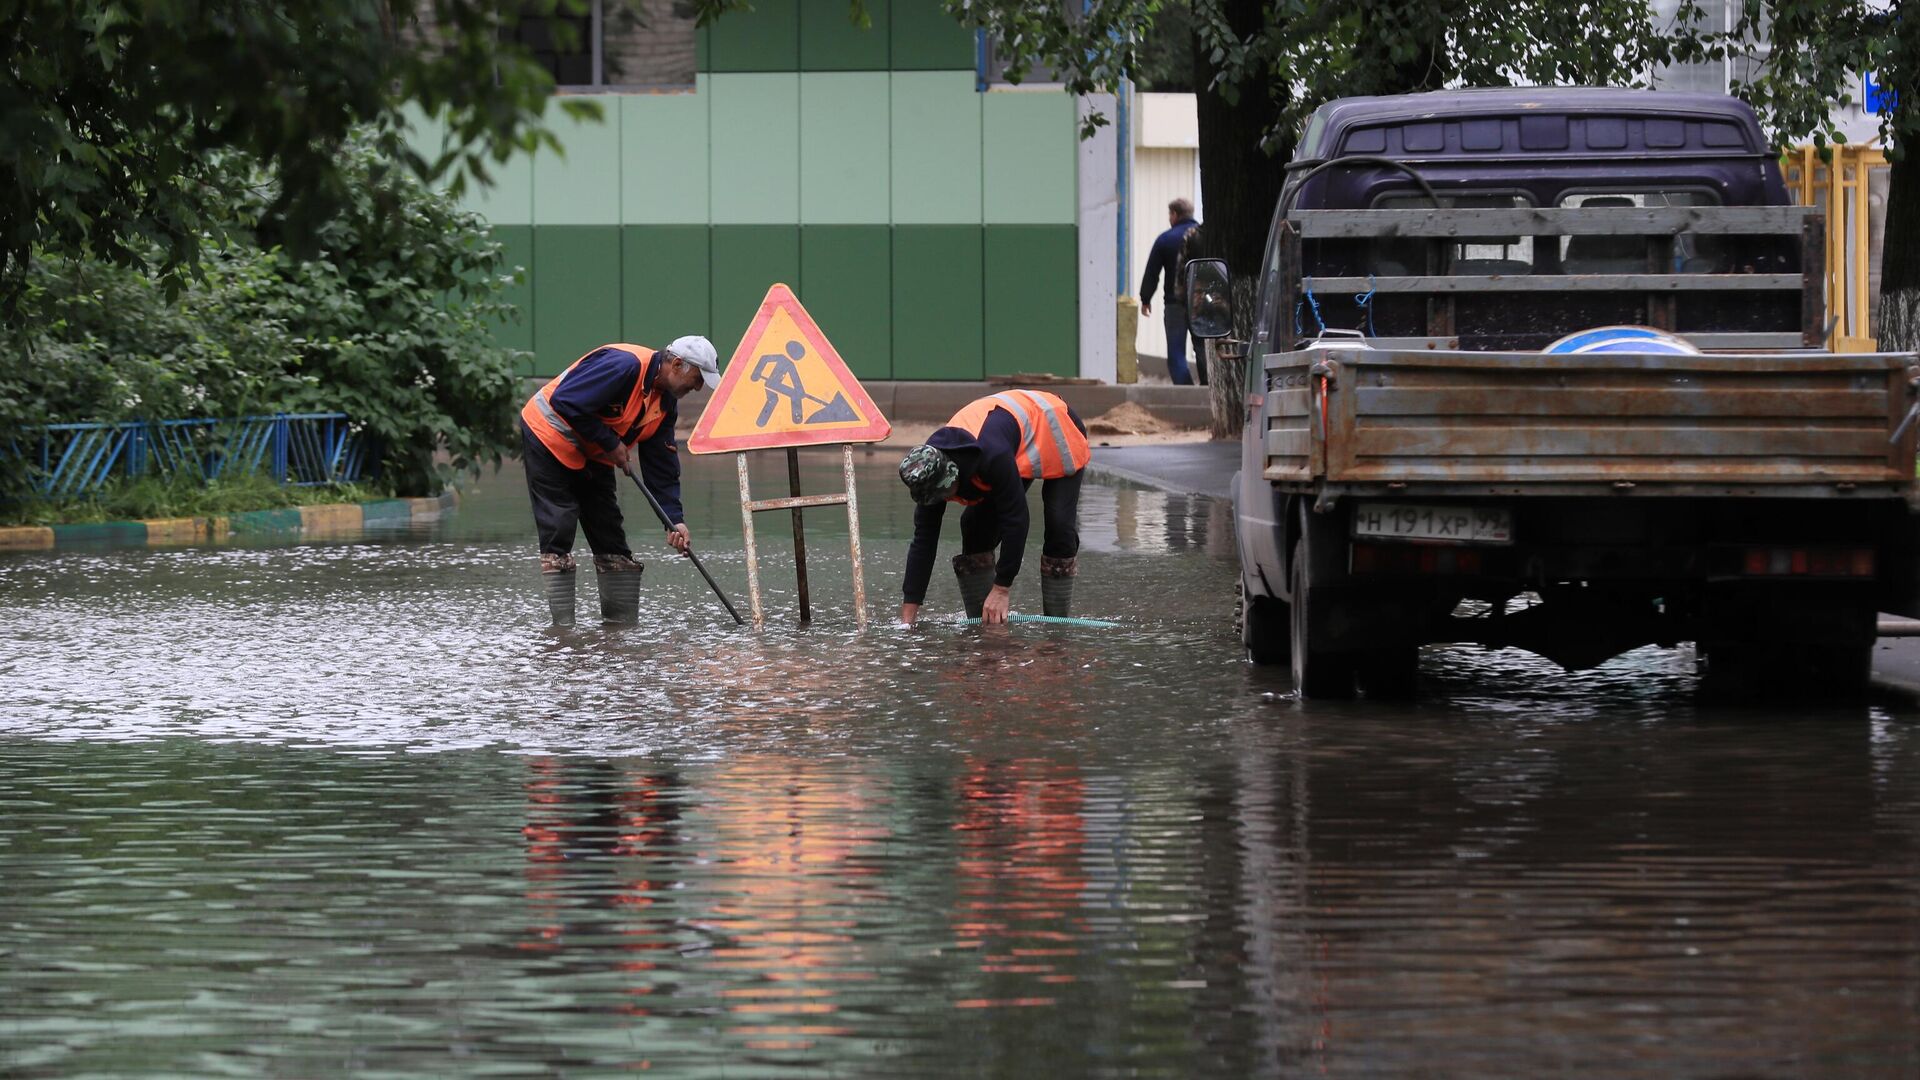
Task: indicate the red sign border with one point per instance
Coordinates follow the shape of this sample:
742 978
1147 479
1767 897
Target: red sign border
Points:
779 296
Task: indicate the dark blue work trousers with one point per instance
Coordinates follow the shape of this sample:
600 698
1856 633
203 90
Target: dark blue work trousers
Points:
1175 316
564 499
1060 520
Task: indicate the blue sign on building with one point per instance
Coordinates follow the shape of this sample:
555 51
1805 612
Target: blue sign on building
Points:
1875 98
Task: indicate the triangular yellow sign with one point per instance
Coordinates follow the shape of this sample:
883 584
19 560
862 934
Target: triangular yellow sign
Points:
785 386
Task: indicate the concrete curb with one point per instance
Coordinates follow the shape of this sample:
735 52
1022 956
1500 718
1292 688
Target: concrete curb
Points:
327 519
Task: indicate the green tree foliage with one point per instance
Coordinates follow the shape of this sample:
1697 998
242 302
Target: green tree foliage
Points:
1284 58
1263 66
390 321
1798 64
1165 61
112 111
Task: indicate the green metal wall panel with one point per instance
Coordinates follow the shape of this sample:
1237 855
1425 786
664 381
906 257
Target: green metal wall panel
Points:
844 166
1029 145
516 243
746 260
936 148
764 37
702 49
576 292
926 38
508 200
581 187
663 157
665 284
848 272
1032 291
829 42
937 302
424 133
756 149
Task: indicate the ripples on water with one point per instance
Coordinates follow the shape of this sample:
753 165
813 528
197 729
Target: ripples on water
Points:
339 807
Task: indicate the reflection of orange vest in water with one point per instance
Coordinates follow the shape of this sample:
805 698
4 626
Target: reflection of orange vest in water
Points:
637 419
1051 445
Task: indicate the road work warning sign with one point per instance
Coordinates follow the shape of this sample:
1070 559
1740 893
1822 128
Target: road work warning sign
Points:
785 386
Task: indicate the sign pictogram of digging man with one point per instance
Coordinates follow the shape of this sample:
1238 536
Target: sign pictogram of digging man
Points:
780 374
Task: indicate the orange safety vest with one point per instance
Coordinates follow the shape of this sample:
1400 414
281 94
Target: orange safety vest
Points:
1051 445
638 418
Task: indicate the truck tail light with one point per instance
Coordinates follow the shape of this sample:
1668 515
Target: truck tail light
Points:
1807 562
1414 559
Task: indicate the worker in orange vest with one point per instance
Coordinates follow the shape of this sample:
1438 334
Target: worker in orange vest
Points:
611 409
985 458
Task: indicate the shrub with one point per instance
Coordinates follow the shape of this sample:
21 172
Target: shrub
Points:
391 324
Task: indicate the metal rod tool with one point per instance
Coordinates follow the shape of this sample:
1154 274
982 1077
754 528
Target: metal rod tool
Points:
662 515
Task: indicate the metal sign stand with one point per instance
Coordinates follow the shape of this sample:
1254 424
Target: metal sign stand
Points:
797 502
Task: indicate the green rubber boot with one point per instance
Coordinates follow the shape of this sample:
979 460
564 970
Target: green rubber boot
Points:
556 578
1056 585
619 588
976 580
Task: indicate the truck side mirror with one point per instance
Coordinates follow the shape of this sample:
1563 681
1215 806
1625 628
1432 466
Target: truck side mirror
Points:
1209 307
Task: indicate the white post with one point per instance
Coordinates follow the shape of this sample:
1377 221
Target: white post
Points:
753 556
853 541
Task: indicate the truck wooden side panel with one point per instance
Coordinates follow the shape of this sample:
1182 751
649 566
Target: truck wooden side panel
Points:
1790 424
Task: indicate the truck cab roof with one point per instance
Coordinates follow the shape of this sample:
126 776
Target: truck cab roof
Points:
1533 122
1464 152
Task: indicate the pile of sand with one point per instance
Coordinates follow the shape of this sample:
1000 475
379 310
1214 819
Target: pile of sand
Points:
1128 418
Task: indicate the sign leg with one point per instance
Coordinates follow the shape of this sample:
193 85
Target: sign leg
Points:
753 556
799 535
853 540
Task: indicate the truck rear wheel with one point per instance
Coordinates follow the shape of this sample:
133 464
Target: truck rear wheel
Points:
1824 647
1317 671
1392 673
1265 628
1748 671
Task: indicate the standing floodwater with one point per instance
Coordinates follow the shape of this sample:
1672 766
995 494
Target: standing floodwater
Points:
327 808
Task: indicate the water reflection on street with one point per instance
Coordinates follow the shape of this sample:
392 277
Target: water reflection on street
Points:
350 806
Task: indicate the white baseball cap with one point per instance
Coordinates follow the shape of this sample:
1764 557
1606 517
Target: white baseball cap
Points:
698 351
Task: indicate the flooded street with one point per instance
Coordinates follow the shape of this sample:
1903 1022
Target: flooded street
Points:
352 807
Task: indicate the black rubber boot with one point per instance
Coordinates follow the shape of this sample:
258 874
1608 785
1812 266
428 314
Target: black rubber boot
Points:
1056 585
619 588
556 578
976 580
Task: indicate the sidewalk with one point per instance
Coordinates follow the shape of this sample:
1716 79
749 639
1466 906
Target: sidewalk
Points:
1181 468
909 404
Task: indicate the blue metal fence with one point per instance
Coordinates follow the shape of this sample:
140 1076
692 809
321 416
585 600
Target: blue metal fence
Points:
301 449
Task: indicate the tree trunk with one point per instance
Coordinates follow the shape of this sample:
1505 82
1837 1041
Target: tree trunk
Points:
1900 260
1239 184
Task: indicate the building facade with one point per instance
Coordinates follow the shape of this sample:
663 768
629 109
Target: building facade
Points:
928 220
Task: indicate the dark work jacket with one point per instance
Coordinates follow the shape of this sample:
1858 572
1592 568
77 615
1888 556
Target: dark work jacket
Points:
600 383
989 458
1166 257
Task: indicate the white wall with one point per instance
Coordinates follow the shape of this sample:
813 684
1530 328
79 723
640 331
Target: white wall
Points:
1099 220
1159 176
1166 165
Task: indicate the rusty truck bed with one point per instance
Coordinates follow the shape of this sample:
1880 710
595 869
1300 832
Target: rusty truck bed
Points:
1377 421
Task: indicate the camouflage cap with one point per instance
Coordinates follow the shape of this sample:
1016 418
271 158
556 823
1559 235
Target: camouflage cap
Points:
928 474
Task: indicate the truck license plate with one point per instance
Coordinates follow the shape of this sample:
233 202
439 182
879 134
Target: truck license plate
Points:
1414 521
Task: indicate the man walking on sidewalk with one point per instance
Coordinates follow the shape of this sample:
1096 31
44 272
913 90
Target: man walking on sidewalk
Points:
1166 258
985 458
614 405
